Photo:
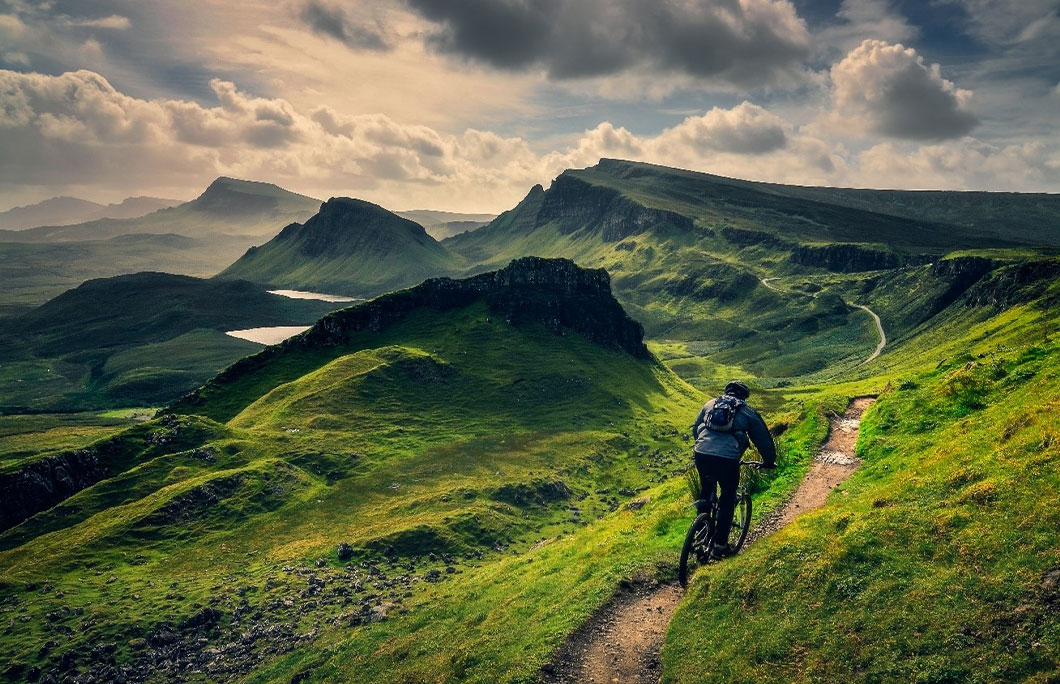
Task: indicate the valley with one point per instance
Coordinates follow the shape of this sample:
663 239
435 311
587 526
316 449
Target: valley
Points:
455 455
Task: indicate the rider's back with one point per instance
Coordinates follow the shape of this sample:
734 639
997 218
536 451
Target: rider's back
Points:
747 426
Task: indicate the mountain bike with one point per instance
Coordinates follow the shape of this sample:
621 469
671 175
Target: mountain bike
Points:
696 549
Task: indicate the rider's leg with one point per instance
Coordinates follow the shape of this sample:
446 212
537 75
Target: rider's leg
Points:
708 480
728 473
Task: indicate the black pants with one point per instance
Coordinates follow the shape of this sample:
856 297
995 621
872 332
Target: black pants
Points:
714 471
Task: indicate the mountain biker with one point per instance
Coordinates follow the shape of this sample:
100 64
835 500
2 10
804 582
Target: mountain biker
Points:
723 430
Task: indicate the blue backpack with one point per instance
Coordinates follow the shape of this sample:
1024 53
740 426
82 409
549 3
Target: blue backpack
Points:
722 416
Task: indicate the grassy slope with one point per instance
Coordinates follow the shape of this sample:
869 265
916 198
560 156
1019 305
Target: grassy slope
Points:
197 238
938 561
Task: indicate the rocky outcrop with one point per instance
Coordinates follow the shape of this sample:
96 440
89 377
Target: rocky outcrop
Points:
1014 284
577 205
845 258
556 293
960 274
42 484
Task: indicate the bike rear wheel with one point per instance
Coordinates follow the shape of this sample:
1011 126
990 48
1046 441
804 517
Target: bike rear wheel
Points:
741 522
696 547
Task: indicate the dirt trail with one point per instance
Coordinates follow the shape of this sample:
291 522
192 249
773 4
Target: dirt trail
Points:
621 643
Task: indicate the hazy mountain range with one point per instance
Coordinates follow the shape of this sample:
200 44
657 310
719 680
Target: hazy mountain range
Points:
61 211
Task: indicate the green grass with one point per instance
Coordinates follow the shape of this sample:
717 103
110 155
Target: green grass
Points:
142 339
936 562
28 436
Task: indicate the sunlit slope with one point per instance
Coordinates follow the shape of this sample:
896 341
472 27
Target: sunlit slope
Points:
349 247
938 560
687 279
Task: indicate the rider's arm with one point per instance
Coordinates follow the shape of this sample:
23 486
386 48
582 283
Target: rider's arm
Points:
763 441
696 423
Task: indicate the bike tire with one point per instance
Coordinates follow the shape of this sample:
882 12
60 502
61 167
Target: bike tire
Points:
741 522
699 530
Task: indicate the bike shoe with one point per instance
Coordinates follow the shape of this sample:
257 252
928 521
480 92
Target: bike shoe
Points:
717 552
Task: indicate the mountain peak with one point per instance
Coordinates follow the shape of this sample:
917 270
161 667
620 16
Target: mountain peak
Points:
228 196
349 246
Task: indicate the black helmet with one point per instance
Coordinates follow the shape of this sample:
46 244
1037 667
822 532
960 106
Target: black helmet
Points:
738 389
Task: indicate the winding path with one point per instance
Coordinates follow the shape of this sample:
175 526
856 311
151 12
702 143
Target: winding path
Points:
623 641
875 318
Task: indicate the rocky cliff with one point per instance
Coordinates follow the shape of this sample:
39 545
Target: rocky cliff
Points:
845 258
578 205
40 485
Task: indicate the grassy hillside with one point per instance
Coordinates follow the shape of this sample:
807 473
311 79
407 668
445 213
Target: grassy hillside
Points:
443 483
141 339
466 456
349 247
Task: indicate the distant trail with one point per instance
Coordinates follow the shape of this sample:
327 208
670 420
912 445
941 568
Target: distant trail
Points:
879 328
623 641
875 317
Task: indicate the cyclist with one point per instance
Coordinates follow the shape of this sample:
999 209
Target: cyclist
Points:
723 430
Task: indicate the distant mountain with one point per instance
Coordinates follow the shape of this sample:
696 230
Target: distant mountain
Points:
59 211
200 238
992 217
135 339
349 247
227 207
443 224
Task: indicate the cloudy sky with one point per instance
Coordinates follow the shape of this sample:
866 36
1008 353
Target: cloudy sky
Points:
464 104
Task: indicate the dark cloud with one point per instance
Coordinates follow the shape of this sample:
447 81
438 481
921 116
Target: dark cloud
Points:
327 20
918 109
744 43
890 90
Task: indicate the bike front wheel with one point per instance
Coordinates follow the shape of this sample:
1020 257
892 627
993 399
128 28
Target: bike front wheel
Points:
696 547
741 522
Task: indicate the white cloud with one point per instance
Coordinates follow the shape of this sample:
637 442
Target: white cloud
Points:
963 165
886 89
114 21
77 129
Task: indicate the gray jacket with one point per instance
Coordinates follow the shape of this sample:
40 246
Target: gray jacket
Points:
748 427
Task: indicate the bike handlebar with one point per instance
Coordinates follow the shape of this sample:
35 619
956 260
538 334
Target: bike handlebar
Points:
751 464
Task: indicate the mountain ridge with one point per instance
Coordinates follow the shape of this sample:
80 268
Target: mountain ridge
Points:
65 210
555 293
